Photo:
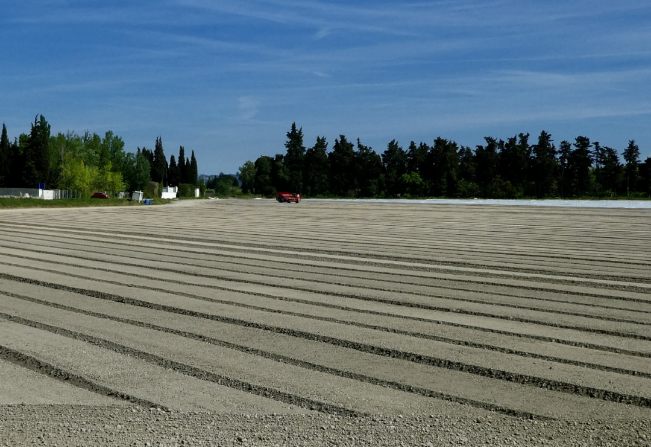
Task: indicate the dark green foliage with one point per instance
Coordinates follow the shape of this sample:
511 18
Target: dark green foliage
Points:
246 174
183 170
173 173
186 190
515 156
394 159
159 163
294 159
136 171
37 154
645 177
544 165
317 168
444 159
279 174
632 157
368 166
229 179
342 167
5 157
262 183
579 164
486 165
193 171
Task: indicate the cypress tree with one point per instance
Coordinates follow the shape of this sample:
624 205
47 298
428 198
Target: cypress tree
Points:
173 173
159 168
193 171
5 149
183 174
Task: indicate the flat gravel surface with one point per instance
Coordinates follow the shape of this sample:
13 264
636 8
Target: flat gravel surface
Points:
248 322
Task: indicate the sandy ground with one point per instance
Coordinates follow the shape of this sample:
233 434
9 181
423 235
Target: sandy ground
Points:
238 322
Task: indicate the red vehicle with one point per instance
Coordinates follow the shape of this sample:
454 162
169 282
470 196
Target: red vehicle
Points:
288 197
99 195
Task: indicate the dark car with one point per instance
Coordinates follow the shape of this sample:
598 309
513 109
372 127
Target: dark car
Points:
99 195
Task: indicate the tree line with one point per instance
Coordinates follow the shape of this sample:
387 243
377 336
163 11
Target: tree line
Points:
511 168
87 162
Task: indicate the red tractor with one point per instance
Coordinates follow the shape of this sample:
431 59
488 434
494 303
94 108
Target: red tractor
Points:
288 197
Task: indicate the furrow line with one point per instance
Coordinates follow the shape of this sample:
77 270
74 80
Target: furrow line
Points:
96 294
292 361
308 365
405 258
192 371
41 367
522 379
331 282
344 295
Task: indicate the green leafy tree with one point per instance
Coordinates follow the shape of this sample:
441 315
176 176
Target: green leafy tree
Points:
262 182
294 159
632 157
279 174
92 149
76 176
137 171
316 168
342 167
246 174
113 145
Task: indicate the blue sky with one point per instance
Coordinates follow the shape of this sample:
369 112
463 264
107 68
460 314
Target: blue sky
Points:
227 78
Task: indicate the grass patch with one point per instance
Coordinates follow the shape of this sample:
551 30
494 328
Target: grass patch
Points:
71 203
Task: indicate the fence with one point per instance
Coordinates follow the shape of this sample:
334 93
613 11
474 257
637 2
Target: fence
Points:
34 193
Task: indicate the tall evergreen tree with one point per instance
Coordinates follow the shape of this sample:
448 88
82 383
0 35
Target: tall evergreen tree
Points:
5 157
159 167
394 159
632 157
467 164
544 164
368 169
514 160
342 167
193 172
579 165
295 158
486 164
444 157
37 153
564 154
173 172
183 171
316 168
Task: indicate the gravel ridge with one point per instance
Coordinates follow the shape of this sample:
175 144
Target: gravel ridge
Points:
69 425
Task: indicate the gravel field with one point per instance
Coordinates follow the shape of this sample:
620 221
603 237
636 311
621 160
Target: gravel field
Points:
248 322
